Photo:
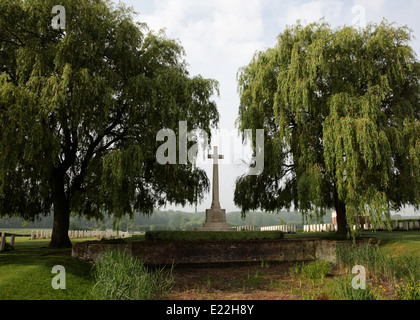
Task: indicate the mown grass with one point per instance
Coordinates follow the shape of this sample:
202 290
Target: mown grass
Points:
26 273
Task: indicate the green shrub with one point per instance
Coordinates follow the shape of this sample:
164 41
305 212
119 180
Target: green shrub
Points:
120 276
316 270
343 290
212 235
294 270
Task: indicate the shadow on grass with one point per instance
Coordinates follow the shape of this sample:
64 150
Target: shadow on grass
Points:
27 273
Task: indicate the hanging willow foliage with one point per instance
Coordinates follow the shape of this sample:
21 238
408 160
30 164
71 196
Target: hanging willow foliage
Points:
80 109
341 111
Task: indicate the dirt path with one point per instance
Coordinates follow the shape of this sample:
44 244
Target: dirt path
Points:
256 282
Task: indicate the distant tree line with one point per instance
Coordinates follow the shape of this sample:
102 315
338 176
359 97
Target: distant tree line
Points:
170 220
163 220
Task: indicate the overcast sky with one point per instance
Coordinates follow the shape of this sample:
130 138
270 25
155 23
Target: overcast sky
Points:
220 36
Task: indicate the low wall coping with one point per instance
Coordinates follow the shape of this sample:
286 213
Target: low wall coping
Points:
214 252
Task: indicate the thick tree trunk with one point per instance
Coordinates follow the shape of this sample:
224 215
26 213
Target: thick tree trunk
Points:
340 208
341 218
60 237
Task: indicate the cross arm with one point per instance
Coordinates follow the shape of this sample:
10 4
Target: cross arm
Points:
212 156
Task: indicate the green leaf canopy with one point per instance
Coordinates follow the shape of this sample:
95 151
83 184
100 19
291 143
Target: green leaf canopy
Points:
80 109
341 112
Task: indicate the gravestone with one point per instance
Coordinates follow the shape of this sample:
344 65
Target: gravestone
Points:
216 216
2 241
12 241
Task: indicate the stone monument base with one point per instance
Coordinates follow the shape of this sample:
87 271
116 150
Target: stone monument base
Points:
216 221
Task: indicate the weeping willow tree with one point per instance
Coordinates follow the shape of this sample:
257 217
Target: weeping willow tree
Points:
341 109
80 109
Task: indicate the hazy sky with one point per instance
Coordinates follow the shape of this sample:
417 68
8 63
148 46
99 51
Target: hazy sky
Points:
221 36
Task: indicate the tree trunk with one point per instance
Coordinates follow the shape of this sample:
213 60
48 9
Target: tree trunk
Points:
340 208
60 237
60 234
341 218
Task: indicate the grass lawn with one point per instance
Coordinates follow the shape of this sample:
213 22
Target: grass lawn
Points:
25 274
396 242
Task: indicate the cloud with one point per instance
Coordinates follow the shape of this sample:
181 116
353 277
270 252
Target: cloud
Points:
371 5
219 37
210 28
218 21
312 11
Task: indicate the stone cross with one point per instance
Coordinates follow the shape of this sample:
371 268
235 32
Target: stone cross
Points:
215 203
216 216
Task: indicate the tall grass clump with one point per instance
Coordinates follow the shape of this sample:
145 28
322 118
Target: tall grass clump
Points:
343 290
402 272
378 263
119 276
316 270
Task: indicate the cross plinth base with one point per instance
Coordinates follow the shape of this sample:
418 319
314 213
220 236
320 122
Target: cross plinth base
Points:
216 221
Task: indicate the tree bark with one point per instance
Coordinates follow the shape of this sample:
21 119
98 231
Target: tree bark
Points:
60 237
342 227
340 208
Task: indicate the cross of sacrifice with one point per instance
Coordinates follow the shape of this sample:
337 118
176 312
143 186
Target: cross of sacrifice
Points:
215 203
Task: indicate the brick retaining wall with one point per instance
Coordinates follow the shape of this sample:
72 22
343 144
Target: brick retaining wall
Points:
214 252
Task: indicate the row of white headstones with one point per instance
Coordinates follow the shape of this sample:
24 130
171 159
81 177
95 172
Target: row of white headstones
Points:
396 225
330 227
74 234
283 228
326 227
46 234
